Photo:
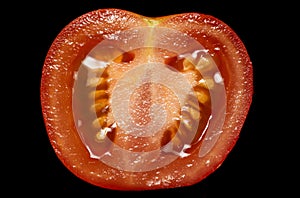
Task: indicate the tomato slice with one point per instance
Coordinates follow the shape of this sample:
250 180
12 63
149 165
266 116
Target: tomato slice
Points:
141 103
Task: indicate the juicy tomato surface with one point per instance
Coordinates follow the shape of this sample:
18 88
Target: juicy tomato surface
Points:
141 103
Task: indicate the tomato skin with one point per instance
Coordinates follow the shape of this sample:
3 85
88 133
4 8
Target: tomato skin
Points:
73 44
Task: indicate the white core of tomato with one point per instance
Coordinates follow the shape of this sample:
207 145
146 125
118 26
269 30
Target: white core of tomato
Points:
155 73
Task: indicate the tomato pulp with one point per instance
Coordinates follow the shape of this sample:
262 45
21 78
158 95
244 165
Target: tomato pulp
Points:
141 103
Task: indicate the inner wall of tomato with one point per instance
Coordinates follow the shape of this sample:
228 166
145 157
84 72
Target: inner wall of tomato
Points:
141 100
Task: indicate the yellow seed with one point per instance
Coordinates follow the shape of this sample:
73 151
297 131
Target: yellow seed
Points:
101 135
201 96
207 83
92 82
203 63
187 124
100 122
194 114
101 80
98 94
95 81
187 65
194 104
99 105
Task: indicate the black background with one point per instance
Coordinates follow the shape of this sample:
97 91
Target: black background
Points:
250 170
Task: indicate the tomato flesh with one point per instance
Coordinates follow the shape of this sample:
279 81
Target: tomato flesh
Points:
138 103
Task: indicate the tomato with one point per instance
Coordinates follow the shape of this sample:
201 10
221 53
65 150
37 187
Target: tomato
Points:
141 103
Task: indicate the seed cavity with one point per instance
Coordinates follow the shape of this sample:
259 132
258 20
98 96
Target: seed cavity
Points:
179 134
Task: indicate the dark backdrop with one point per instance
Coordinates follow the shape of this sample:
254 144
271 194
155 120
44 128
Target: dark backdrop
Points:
245 173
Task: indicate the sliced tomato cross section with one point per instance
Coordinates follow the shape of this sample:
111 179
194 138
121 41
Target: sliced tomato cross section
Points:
142 103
